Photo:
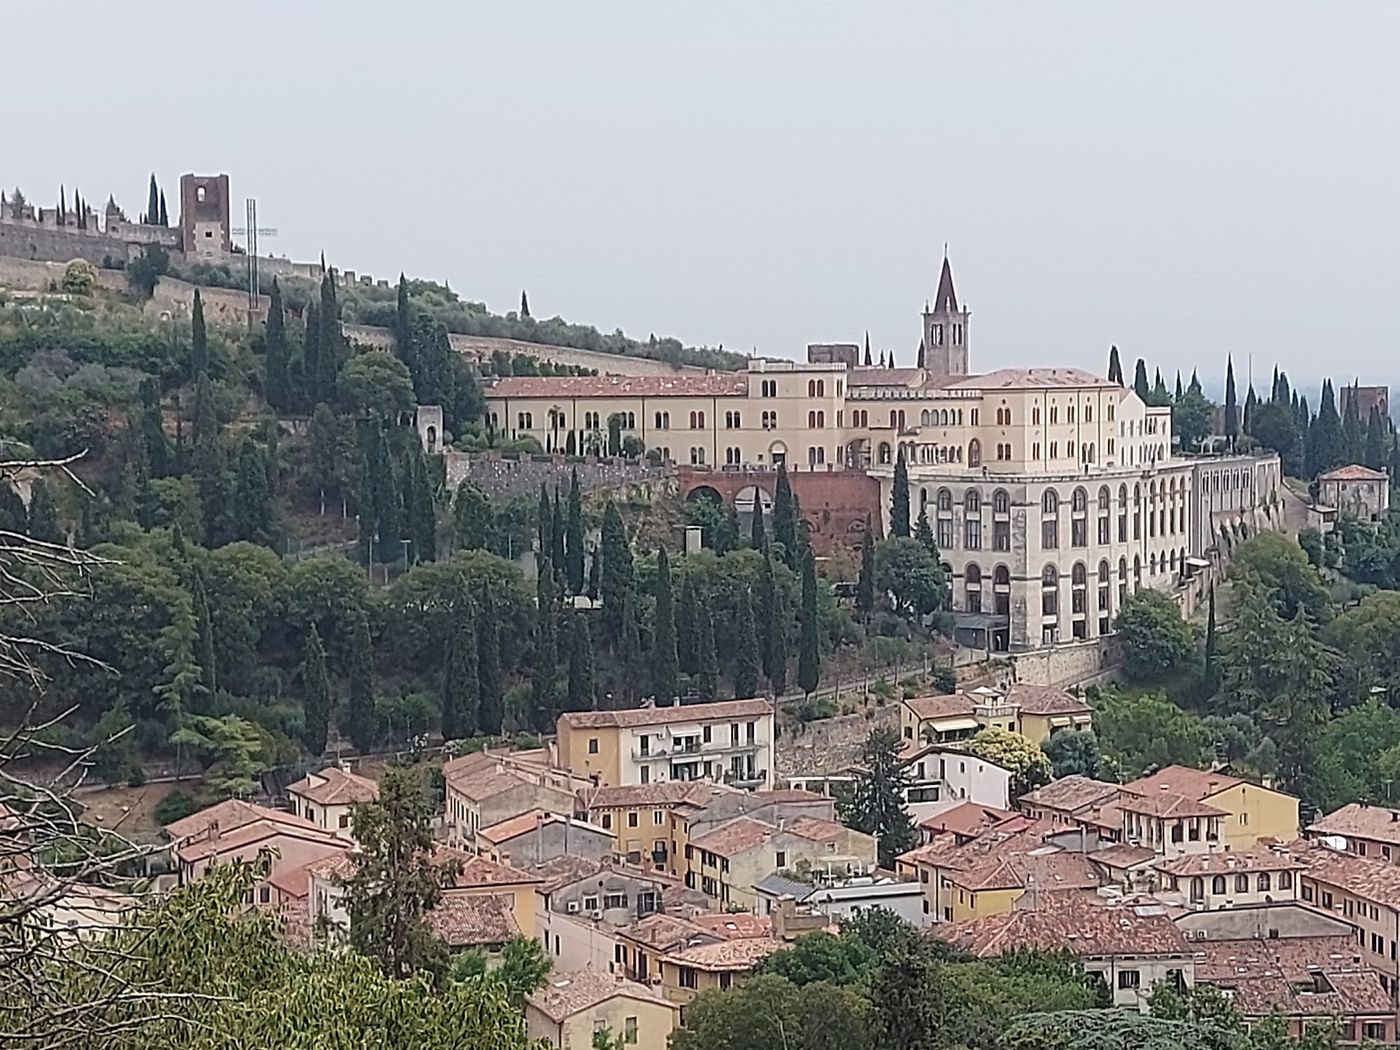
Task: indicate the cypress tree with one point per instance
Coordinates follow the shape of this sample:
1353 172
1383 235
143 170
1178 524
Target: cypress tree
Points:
706 659
13 516
1375 457
630 646
471 517
785 518
204 627
43 514
865 587
899 498
62 205
384 487
199 339
316 694
556 552
573 536
488 667
1140 385
460 679
687 631
583 694
404 346
923 532
544 667
1160 396
311 355
423 513
361 721
664 661
328 356
1392 464
1353 440
1211 670
277 384
1250 404
524 304
725 536
867 349
1232 407
1115 367
164 215
746 669
595 562
616 576
1326 442
544 525
758 535
809 664
249 510
774 627
152 216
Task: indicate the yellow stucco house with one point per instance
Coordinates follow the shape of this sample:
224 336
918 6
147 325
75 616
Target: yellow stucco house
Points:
571 1007
1250 811
1033 711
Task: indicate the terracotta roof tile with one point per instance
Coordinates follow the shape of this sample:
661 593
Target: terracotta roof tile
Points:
737 955
1199 784
735 836
473 921
1122 856
564 870
567 994
1071 921
966 818
230 814
728 384
1032 378
1373 878
1048 872
661 793
1046 700
1354 472
662 715
1235 863
482 871
1168 805
252 834
740 924
1070 794
1358 820
1294 976
948 705
817 829
333 786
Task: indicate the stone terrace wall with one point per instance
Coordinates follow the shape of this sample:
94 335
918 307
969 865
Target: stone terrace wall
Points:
502 478
828 745
33 276
22 240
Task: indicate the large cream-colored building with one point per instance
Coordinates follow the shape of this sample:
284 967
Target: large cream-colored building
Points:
1052 493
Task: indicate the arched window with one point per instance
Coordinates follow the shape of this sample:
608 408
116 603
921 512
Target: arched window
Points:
894 419
1001 502
972 587
1050 592
1103 499
1105 582
972 502
1079 501
884 453
974 453
1198 888
1152 564
1050 502
924 418
1137 571
945 500
1122 581
1217 884
1264 883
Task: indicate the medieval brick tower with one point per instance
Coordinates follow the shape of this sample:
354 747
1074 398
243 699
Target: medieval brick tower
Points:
943 350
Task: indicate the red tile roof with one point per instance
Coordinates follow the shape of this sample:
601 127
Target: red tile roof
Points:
1046 700
966 818
1071 794
661 715
729 384
1358 820
1354 472
229 815
567 994
1070 921
333 786
1199 784
948 705
475 921
1168 805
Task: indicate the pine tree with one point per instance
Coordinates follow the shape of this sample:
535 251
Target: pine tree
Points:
277 386
616 577
809 660
152 216
746 668
164 215
460 679
361 719
316 694
199 339
687 627
1140 385
43 514
774 621
923 532
758 535
582 689
1115 367
665 664
488 667
785 517
706 659
899 498
573 536
204 628
544 665
865 586
1232 407
524 304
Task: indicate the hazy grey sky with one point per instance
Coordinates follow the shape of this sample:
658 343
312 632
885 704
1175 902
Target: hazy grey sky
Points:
1183 180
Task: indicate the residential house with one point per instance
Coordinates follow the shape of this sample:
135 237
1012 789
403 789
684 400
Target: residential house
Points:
1032 711
1368 831
729 861
1171 824
692 819
1356 491
1362 891
70 908
1130 948
1254 813
939 719
478 797
484 921
536 836
640 816
841 898
684 957
573 1007
729 741
1228 880
327 798
963 820
1044 710
941 778
1069 802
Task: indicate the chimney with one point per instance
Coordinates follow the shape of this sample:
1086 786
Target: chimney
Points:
212 832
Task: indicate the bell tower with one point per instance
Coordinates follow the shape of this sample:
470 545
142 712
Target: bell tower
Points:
945 328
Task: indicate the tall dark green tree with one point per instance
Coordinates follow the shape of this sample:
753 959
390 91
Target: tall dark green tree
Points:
209 464
1376 445
1251 402
13 515
164 215
1115 367
1141 387
1212 675
403 329
158 453
746 662
899 498
557 551
775 655
665 664
152 216
311 356
785 518
617 576
865 586
43 514
316 694
595 574
199 338
423 513
361 719
331 350
1176 396
1353 437
809 657
277 384
725 535
1161 397
250 510
706 658
875 804
923 532
471 517
758 534
573 536
582 688
544 664
460 679
544 525
1326 445
524 304
687 628
204 634
490 687
1232 405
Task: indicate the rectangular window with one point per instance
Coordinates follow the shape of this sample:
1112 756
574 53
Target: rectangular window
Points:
629 1030
1049 535
1129 979
593 745
658 816
973 534
705 734
607 821
1079 532
614 900
632 820
1103 530
1001 535
945 534
781 859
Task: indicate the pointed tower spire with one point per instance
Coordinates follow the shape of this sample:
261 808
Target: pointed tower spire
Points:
945 299
867 348
945 327
923 351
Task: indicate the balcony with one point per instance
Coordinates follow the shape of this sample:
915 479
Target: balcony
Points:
755 779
